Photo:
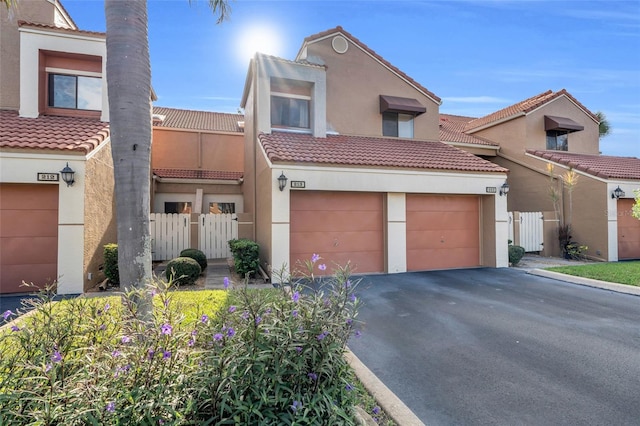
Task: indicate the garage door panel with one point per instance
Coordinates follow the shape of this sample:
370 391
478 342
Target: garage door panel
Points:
336 220
443 232
628 231
38 223
360 262
340 227
29 197
12 277
29 250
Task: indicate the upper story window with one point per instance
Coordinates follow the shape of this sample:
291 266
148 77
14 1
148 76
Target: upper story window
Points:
222 208
398 125
75 92
558 140
290 111
177 207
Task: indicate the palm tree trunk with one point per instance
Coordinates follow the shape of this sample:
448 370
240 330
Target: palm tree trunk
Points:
129 88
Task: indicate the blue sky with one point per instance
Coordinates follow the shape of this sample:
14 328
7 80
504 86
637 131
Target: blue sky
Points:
478 56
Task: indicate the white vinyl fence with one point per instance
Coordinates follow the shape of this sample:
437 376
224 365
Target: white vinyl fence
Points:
170 234
531 230
215 231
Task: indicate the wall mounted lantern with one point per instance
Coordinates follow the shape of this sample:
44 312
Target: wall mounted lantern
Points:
67 175
282 181
504 189
617 193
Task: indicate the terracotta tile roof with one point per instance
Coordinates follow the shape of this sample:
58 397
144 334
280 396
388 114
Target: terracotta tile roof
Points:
288 61
452 130
198 120
372 152
603 166
395 69
197 174
53 27
524 107
51 133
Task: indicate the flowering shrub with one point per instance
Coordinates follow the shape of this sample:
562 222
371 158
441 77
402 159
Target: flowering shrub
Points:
264 357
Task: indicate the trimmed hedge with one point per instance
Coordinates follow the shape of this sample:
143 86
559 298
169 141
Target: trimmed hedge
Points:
111 264
196 255
183 271
515 254
246 256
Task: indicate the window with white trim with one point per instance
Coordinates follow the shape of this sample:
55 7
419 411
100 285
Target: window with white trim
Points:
397 124
75 92
290 111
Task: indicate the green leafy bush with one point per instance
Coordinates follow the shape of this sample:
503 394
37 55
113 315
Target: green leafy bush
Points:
268 358
183 271
515 254
111 263
246 256
196 255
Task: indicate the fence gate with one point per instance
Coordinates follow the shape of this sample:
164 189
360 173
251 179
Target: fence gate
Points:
215 231
531 231
169 234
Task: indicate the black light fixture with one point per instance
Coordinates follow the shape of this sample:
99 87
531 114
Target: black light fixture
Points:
67 175
282 181
617 193
504 189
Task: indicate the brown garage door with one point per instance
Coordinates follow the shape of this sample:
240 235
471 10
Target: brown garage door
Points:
340 227
628 231
28 235
442 232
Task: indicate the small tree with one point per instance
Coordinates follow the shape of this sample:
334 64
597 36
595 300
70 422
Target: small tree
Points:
635 211
604 128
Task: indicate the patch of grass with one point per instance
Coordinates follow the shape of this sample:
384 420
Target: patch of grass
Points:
615 272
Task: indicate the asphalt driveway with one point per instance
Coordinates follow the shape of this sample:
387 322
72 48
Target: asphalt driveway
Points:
501 347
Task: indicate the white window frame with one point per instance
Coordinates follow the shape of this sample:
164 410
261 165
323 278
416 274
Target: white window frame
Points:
292 96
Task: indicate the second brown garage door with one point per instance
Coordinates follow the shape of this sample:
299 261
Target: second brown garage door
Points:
443 232
628 231
340 227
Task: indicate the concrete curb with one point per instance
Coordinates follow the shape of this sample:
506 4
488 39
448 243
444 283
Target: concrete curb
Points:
619 288
387 400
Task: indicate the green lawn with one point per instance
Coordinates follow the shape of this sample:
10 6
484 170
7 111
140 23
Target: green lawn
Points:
615 272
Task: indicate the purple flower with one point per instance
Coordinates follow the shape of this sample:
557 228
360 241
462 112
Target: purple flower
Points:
322 267
111 407
191 342
56 357
232 309
322 335
107 306
295 297
349 387
298 349
258 319
375 410
7 314
125 339
150 353
115 353
47 368
353 298
15 328
226 282
267 311
347 284
349 321
166 302
312 376
194 332
358 333
245 315
166 354
315 257
296 406
103 327
294 313
166 329
231 332
204 318
217 337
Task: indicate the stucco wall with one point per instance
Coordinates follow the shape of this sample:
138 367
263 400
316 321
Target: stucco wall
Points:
176 149
529 186
355 82
99 213
511 135
246 224
263 215
40 11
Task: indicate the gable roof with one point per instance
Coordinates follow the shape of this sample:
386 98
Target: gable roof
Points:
452 130
51 133
27 24
339 30
197 120
372 152
602 166
197 174
523 108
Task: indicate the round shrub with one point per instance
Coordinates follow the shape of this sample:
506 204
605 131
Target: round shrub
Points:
111 263
196 255
515 254
183 270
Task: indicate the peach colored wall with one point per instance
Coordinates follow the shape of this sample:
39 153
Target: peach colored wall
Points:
190 188
511 135
355 82
263 218
529 187
174 149
99 214
250 146
31 11
488 232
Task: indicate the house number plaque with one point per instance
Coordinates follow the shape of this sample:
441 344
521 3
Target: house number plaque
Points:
297 184
48 177
491 189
